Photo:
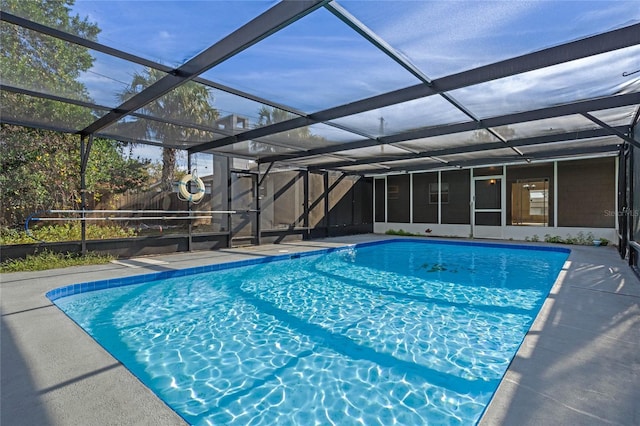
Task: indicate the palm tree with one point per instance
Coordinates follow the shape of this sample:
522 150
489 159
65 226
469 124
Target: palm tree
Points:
190 102
268 115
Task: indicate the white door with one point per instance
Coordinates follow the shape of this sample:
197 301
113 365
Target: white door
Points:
487 200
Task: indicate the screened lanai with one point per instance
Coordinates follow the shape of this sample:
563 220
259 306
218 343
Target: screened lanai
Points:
353 88
307 119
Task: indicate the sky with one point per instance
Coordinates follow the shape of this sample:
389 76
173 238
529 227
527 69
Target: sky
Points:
319 62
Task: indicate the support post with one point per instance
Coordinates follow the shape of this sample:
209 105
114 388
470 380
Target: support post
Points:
623 187
229 195
628 222
190 229
327 222
305 204
256 191
85 149
352 190
259 182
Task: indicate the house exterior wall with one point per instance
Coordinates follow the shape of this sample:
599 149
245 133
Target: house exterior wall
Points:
572 197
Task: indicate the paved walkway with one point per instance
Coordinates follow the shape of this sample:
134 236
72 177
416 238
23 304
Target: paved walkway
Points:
579 364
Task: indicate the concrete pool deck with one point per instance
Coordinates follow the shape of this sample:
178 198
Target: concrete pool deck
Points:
578 365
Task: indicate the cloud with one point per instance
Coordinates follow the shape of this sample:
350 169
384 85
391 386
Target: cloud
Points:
586 78
615 11
444 37
108 77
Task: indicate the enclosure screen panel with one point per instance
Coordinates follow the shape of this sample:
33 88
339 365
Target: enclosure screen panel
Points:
340 200
457 210
425 199
317 200
379 188
363 199
398 198
586 193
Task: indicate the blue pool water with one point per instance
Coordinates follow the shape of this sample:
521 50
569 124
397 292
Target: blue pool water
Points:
402 332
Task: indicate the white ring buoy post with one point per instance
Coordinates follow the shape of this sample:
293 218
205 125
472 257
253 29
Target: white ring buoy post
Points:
184 191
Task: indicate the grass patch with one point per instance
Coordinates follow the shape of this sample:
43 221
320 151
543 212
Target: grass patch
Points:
64 232
49 260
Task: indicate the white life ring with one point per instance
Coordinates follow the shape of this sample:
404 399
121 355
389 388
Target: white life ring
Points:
188 196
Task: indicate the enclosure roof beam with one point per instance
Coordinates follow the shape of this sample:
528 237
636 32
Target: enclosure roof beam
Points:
99 47
274 19
93 106
342 14
611 129
365 32
594 45
539 114
20 90
538 156
72 38
536 140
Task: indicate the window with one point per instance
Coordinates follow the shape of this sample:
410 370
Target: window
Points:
538 202
433 193
393 192
530 202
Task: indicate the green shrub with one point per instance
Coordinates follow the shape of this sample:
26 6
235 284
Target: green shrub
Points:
403 233
585 240
553 239
400 232
49 260
579 239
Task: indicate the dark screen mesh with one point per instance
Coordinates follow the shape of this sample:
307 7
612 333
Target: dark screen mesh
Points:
425 199
398 197
586 193
457 210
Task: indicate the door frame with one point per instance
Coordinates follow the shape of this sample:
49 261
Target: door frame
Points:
251 212
486 231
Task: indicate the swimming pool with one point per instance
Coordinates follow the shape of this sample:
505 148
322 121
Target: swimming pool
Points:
411 331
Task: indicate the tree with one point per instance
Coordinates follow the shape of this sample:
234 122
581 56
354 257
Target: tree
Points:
190 102
40 171
111 170
268 115
34 61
